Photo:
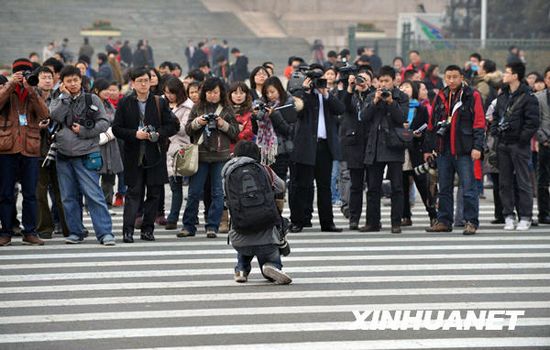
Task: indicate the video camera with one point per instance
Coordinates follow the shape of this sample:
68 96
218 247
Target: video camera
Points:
296 81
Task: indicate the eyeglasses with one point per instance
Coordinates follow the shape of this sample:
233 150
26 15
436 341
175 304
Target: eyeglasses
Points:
142 81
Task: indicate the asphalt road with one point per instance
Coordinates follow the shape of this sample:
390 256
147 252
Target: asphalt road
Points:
180 293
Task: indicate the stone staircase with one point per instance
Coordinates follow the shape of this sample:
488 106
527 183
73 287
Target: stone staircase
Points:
29 25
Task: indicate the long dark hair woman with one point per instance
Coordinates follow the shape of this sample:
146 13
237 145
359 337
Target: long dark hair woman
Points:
417 117
211 123
258 76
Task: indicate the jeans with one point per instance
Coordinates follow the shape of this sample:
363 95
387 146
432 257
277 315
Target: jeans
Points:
176 186
196 186
10 166
334 180
268 253
513 163
447 165
76 179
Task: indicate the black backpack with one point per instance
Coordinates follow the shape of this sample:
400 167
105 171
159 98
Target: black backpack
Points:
250 198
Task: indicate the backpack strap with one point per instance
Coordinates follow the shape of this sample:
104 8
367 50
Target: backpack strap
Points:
157 102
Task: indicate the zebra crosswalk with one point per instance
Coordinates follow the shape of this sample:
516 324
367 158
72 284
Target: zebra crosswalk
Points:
172 294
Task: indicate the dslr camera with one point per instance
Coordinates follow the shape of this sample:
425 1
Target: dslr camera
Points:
153 133
503 127
442 127
31 77
385 94
430 167
261 109
345 72
211 119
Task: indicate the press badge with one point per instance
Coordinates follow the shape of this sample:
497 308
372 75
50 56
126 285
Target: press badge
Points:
23 119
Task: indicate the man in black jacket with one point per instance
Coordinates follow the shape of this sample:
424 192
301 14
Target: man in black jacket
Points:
385 111
315 147
517 120
353 140
144 122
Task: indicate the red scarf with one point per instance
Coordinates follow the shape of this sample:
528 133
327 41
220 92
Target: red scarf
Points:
22 93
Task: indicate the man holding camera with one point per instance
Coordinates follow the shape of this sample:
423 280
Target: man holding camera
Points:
21 111
82 118
456 131
353 139
144 122
516 121
316 145
543 137
385 113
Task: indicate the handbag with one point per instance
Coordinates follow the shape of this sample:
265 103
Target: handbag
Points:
398 138
186 159
93 161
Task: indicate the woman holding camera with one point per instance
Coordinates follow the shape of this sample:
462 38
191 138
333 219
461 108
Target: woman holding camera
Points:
211 123
417 120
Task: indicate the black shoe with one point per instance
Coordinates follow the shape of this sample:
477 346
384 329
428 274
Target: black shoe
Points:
128 237
147 236
45 235
295 228
308 224
370 228
544 220
497 221
354 226
331 228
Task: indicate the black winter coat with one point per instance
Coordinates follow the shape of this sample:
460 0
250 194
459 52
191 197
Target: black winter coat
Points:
353 133
382 116
416 151
523 118
125 125
305 137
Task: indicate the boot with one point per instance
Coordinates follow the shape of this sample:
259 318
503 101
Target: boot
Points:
224 223
280 205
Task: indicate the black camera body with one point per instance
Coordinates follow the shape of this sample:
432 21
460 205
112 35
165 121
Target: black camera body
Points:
503 127
31 77
152 131
211 119
442 127
345 72
261 108
385 94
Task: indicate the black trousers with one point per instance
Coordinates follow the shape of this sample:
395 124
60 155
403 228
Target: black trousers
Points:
543 181
496 195
421 182
133 200
302 185
356 194
513 164
375 177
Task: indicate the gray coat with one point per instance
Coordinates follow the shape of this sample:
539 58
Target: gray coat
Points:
268 236
63 110
379 116
544 108
110 152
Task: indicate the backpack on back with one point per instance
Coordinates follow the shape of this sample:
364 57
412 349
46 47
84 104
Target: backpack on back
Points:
250 198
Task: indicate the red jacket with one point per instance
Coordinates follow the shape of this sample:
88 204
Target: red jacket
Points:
246 133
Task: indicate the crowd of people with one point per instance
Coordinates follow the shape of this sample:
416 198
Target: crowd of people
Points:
70 134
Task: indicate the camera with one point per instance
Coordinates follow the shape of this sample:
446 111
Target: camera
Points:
430 167
211 119
88 123
31 77
50 156
385 94
503 126
261 108
153 134
443 127
345 72
297 79
359 80
282 229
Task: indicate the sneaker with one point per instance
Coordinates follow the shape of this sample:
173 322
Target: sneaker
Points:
184 233
32 240
509 223
469 229
108 240
241 276
276 274
5 241
119 200
73 239
524 225
211 233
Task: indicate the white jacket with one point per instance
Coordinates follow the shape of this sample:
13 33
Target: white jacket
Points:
182 112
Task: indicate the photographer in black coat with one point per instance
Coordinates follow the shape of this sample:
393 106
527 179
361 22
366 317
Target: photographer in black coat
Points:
386 110
353 139
144 122
316 145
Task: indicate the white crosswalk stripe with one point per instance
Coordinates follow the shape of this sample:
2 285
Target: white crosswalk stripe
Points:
172 293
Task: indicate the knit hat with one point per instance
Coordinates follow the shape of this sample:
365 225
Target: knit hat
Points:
21 64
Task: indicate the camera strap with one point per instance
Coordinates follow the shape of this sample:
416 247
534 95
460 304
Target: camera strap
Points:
511 107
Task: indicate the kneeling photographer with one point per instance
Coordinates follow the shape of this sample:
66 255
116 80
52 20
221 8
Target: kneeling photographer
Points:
213 126
78 161
384 115
144 122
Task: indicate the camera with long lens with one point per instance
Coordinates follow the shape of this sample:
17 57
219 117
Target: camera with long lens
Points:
152 131
385 94
52 151
282 228
359 80
442 127
430 167
260 107
31 77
